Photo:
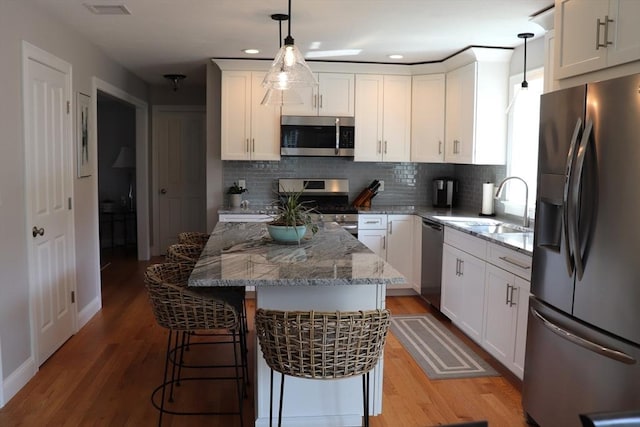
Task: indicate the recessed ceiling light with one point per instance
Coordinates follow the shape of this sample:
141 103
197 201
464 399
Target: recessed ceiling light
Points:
251 51
315 45
395 56
108 9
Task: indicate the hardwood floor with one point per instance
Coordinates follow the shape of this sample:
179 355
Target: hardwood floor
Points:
104 375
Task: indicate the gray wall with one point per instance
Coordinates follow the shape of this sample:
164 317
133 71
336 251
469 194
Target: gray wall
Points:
21 20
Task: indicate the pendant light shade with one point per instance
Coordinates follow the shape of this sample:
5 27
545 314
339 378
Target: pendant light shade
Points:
280 97
289 69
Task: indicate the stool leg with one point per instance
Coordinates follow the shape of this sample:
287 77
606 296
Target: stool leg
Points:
271 400
174 363
164 377
281 399
365 398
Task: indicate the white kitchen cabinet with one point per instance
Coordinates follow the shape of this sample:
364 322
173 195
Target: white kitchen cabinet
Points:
475 119
400 232
427 118
249 131
391 238
506 306
592 35
383 118
334 96
463 277
372 231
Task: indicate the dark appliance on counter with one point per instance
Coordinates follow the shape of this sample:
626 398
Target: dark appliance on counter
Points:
445 192
329 197
583 333
431 270
317 136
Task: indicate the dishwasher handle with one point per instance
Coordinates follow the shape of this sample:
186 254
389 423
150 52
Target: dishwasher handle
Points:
432 224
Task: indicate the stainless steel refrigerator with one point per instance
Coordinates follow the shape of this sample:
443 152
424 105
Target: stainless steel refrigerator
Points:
583 336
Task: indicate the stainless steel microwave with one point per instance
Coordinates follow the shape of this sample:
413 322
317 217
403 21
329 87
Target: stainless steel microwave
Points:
317 136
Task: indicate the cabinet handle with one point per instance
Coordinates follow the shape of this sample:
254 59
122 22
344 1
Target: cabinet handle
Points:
514 262
439 147
390 227
511 301
247 146
385 147
604 23
314 102
253 145
462 267
320 101
379 146
457 267
384 242
506 296
373 221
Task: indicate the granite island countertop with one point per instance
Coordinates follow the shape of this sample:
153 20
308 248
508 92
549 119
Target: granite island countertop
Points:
243 254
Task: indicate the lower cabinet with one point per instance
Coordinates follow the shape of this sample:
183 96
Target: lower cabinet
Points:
463 290
485 293
391 238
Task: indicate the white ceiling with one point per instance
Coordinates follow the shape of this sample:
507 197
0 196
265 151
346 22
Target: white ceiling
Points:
180 36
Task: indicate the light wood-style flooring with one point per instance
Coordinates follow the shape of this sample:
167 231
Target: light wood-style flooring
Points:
103 375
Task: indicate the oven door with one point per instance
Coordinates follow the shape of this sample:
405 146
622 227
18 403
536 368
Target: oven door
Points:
317 136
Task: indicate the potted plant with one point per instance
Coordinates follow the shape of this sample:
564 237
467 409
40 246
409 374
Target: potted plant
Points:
292 220
235 195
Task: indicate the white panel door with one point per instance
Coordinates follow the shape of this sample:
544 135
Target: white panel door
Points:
265 123
235 126
368 108
49 188
400 247
180 143
427 118
396 119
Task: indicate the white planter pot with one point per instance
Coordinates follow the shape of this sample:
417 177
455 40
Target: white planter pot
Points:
235 200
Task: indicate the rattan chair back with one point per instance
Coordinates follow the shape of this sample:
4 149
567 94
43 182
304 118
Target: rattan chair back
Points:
322 345
179 308
193 238
184 253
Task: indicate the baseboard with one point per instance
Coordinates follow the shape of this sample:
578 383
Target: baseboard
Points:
18 379
401 292
89 311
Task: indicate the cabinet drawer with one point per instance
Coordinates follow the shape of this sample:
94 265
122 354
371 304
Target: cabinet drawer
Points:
466 242
372 222
512 261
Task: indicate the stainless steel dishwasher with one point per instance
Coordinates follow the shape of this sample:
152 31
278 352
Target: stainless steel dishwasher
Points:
431 273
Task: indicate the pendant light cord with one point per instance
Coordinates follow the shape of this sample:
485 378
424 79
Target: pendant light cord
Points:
524 82
289 35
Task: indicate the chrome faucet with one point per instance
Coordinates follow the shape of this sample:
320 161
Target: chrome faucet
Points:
525 218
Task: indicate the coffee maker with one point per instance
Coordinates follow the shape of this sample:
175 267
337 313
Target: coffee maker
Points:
445 191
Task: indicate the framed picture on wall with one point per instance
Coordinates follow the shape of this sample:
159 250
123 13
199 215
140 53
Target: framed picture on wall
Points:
83 154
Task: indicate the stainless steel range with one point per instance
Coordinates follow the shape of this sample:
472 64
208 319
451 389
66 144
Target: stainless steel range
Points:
329 197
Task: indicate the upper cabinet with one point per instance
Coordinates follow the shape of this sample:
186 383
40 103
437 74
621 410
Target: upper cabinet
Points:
332 97
475 118
592 35
383 118
249 131
427 118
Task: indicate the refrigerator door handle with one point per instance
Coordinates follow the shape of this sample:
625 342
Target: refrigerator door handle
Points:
582 342
575 196
566 219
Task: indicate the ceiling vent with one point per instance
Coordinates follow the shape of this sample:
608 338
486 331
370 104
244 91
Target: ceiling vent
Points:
108 9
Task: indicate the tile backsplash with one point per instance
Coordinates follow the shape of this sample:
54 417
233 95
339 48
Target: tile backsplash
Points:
405 183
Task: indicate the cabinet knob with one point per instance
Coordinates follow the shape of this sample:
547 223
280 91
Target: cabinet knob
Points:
163 191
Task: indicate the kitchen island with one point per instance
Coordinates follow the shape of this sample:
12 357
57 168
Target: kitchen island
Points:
328 271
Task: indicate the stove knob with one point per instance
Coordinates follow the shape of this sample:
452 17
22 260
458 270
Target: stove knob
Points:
344 218
321 218
337 218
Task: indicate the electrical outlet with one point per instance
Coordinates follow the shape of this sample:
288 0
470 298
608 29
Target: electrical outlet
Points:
381 188
242 183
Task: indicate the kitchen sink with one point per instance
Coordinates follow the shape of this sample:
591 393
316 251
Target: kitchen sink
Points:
497 228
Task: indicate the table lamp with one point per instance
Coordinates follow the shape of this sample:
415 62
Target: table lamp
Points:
126 160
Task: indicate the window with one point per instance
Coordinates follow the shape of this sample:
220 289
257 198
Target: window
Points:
522 152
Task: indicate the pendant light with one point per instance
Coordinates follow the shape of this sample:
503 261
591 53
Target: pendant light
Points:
175 79
525 36
525 84
277 96
289 69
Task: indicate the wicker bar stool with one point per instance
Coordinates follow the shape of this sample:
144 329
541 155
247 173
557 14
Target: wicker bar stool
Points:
321 345
193 238
183 311
190 253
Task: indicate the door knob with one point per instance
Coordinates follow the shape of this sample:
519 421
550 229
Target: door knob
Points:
163 191
35 231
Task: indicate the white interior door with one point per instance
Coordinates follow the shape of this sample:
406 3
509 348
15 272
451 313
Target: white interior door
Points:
49 187
180 138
